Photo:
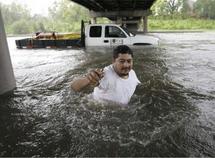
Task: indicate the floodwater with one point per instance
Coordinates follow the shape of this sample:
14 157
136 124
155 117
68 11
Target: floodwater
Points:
170 114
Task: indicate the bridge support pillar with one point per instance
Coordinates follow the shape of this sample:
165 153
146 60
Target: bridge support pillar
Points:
7 79
119 20
145 24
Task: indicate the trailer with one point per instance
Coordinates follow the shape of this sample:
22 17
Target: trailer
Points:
35 43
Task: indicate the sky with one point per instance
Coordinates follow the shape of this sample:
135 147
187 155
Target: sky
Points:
35 6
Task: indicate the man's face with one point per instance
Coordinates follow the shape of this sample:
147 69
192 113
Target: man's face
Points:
123 64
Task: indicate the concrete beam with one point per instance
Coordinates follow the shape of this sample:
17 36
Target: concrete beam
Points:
7 79
124 13
130 21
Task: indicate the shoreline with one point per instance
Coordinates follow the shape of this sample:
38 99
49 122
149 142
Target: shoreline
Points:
175 31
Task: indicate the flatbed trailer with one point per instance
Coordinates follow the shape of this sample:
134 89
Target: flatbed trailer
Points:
38 43
53 42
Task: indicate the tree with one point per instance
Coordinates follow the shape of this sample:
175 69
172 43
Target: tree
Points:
39 23
173 6
66 16
15 12
186 9
21 27
167 7
205 8
14 16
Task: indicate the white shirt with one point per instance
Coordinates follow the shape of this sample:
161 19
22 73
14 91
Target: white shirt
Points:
114 88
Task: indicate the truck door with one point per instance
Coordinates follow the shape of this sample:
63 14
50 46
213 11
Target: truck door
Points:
94 36
115 36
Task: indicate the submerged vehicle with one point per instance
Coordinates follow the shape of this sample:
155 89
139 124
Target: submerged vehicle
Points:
107 35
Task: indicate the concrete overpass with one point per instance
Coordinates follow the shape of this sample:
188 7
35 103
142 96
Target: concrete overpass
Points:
130 13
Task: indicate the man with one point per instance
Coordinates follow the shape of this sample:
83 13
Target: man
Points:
116 83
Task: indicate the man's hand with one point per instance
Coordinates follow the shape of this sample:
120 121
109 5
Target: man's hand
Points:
94 76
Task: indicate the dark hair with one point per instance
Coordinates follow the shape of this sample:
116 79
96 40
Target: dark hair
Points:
122 49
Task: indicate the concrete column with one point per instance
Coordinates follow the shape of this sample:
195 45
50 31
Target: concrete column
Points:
145 24
119 21
7 79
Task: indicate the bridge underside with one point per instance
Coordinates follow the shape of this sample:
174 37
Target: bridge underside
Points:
125 12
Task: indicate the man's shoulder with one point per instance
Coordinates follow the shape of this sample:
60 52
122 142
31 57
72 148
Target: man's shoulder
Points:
108 69
109 72
134 76
132 72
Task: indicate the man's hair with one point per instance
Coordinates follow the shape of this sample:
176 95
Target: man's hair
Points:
122 49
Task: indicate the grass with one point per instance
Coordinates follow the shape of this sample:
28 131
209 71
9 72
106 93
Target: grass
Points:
180 24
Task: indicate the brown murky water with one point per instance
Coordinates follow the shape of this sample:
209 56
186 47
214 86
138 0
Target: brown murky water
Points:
171 114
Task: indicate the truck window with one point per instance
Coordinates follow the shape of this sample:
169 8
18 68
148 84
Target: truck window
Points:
95 31
113 31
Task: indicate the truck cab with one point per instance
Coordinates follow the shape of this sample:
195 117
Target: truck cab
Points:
111 35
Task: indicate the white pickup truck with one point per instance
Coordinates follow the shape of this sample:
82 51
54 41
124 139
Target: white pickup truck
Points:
112 35
104 35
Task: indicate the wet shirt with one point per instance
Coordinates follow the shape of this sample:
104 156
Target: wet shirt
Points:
114 88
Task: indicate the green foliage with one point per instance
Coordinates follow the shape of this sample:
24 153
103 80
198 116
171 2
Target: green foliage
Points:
178 15
103 20
20 27
205 8
170 8
38 23
66 16
12 14
186 10
180 24
167 7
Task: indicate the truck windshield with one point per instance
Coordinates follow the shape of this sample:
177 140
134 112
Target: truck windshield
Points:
128 32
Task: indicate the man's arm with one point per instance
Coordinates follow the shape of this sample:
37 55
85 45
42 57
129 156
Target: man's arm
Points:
91 78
